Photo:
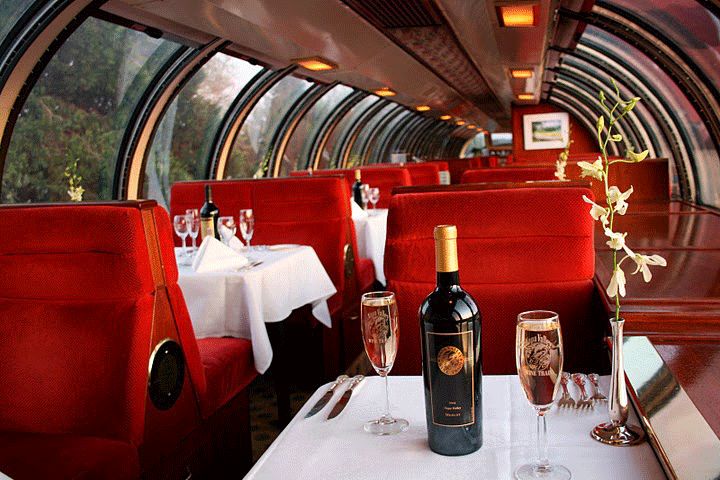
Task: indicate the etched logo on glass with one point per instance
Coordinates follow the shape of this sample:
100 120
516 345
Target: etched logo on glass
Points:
538 355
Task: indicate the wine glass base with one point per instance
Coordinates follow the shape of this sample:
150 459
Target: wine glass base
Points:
384 426
618 435
548 472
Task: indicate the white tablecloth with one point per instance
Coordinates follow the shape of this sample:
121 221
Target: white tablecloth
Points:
238 304
316 449
371 232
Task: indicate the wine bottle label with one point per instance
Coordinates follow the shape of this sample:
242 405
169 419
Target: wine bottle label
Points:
207 227
452 378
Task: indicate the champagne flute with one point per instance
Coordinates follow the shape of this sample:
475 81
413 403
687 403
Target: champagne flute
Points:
374 196
539 359
247 225
193 226
380 330
227 228
180 225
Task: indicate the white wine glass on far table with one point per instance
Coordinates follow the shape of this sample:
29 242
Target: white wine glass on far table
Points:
193 215
227 228
374 196
539 359
247 225
180 224
380 330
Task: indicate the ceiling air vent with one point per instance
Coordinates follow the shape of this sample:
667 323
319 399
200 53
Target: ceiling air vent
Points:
397 13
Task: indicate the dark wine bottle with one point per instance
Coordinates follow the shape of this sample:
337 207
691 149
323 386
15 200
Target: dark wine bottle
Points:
209 216
450 325
357 190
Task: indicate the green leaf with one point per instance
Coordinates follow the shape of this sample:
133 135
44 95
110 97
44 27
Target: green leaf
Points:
601 96
600 125
616 138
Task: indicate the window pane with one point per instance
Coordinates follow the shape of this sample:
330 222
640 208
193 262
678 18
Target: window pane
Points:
691 27
371 126
331 146
476 147
249 155
10 12
378 142
78 111
298 148
700 146
181 147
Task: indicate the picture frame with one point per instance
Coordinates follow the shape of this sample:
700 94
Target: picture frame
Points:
546 131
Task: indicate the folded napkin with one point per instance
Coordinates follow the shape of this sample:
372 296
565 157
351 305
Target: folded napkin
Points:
236 244
214 256
357 211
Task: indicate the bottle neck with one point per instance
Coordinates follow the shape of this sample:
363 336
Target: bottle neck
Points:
208 195
448 279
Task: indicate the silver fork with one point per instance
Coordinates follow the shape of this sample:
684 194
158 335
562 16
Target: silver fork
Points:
566 399
585 402
595 381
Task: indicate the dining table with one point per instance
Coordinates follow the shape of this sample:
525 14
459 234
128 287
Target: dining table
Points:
253 302
371 230
317 448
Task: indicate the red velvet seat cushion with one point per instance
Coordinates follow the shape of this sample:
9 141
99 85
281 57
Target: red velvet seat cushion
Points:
34 456
365 274
229 368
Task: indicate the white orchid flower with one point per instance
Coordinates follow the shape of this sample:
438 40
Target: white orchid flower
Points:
617 240
618 198
617 283
597 212
642 262
594 169
560 170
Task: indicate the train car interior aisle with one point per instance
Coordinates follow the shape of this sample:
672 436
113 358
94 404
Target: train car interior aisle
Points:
359 239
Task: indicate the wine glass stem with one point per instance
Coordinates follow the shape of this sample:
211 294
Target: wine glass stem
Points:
193 243
542 460
184 248
387 398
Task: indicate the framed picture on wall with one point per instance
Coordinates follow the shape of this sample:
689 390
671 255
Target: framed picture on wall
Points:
542 131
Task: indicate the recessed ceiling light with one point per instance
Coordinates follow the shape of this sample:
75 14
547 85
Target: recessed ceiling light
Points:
422 108
384 92
517 15
445 117
525 96
521 73
316 64
460 123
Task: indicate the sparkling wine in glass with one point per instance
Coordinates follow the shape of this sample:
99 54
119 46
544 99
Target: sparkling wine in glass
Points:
380 330
247 225
539 359
227 228
193 226
180 225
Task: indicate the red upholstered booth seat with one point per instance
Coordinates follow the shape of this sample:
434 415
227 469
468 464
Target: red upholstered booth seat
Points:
383 178
515 254
83 306
484 162
456 167
507 174
309 211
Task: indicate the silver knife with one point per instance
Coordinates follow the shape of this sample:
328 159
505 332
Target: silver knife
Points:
345 397
327 396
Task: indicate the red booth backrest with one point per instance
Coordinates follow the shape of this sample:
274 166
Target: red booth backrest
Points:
420 173
515 254
484 162
507 174
309 211
456 167
77 307
383 178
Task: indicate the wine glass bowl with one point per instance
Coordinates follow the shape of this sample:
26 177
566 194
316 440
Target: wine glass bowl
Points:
374 196
193 216
180 225
247 225
380 332
227 228
539 360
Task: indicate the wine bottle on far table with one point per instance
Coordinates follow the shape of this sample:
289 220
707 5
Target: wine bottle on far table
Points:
209 216
452 369
357 190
